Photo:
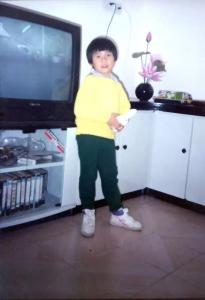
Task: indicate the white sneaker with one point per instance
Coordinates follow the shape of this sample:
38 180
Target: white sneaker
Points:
88 224
125 221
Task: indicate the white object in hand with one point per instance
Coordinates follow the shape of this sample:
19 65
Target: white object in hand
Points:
124 119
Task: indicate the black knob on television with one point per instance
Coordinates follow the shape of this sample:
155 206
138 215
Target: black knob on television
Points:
183 150
124 147
117 147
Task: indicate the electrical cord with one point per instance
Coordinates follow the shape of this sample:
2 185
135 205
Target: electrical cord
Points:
111 19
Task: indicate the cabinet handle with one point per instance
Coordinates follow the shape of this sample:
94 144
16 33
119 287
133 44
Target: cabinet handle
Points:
117 147
183 150
124 147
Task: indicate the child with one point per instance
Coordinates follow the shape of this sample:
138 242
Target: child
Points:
100 99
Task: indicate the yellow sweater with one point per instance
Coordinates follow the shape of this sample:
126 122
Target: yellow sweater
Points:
97 98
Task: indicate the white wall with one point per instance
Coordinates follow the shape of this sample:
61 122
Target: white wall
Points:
177 28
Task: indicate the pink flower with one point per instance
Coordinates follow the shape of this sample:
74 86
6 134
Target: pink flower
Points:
158 61
153 69
149 37
149 72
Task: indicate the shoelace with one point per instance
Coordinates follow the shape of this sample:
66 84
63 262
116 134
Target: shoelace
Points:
128 217
89 220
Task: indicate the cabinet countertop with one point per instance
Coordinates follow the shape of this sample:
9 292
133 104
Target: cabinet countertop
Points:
197 107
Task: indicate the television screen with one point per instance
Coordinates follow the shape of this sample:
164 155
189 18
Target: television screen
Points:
35 61
39 68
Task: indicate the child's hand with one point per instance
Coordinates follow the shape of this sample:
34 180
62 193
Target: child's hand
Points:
113 123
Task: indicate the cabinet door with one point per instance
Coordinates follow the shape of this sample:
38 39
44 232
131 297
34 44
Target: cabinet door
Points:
133 145
195 184
170 153
71 171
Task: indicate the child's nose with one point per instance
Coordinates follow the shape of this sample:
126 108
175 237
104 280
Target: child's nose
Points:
104 58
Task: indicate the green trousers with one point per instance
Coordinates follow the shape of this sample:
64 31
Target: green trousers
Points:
97 154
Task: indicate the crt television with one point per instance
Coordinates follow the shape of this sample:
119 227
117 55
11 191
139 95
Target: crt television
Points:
39 69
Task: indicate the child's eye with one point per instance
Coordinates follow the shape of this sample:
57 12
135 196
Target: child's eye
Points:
109 55
98 56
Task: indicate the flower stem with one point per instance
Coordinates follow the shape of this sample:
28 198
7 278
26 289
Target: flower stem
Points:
143 66
146 53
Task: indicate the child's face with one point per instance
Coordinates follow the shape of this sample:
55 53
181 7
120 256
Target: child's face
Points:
103 62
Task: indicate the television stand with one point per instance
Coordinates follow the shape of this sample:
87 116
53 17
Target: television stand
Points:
33 188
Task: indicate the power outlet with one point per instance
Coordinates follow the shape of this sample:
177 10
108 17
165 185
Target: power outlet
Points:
112 4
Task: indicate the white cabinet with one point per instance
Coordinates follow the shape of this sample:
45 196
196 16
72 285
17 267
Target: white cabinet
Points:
99 194
159 150
61 180
133 144
196 176
170 153
70 193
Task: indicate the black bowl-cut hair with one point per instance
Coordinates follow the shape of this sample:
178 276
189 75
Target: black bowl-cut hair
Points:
101 44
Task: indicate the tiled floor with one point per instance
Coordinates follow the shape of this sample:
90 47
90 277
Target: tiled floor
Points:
51 260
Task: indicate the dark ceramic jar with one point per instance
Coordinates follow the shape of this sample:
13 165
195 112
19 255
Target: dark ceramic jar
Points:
144 91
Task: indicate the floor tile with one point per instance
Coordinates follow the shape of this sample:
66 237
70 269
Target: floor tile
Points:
172 287
194 272
51 260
